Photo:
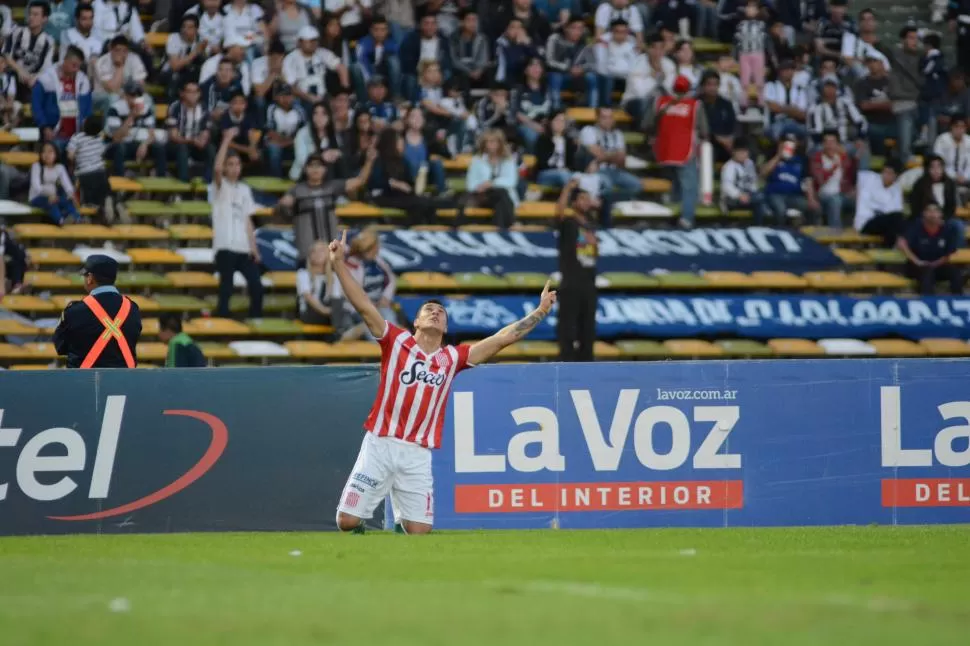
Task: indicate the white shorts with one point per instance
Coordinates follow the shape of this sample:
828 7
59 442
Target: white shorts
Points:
388 466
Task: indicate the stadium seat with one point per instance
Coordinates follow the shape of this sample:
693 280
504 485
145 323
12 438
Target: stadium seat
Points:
179 303
26 304
479 282
149 328
123 185
282 279
628 280
897 348
316 329
781 280
197 255
259 349
40 351
830 281
152 256
729 280
8 138
585 116
190 232
53 256
152 351
527 280
311 350
215 327
603 351
46 280
654 185
826 235
273 185
354 350
9 351
358 210
30 366
530 350
426 280
148 208
192 209
852 256
61 301
677 280
946 347
22 160
275 327
164 185
141 279
13 327
272 303
886 256
744 348
145 303
138 233
640 349
432 227
880 280
692 349
120 257
217 351
192 280
846 347
961 257
536 210
30 231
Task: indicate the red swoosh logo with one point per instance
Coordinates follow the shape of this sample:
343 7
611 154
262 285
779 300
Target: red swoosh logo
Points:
220 437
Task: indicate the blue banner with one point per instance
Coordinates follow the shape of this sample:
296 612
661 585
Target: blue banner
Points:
746 249
706 444
803 316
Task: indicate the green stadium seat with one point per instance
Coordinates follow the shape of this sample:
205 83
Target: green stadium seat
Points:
478 282
681 280
192 209
137 233
526 280
190 232
192 280
272 303
273 185
164 185
148 208
141 279
692 349
180 303
640 349
275 327
630 280
744 348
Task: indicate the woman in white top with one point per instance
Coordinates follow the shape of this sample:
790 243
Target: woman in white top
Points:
683 56
233 237
492 179
314 284
244 19
51 188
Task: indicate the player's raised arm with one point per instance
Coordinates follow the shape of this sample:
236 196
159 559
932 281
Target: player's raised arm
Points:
354 292
488 348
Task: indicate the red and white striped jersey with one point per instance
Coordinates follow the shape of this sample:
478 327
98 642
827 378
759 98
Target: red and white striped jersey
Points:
414 389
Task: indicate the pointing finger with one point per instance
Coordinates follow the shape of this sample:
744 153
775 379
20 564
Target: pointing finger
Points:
548 283
343 237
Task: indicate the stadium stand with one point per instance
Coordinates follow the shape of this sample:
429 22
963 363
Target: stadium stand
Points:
160 227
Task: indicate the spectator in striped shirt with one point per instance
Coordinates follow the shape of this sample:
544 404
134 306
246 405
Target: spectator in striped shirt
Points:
189 138
86 151
834 112
10 107
749 42
130 127
29 50
283 119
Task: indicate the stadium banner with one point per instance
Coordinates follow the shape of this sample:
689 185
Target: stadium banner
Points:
744 249
764 316
706 444
119 451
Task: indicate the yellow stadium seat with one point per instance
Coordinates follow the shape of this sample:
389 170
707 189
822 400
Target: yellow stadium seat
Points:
458 163
640 349
144 303
354 350
309 349
161 112
139 232
152 351
418 280
31 366
190 232
588 115
692 348
9 351
825 235
46 280
879 280
433 227
215 327
151 256
361 210
536 210
945 347
156 39
123 185
796 348
85 232
28 231
897 348
961 257
604 350
8 138
13 327
19 159
40 351
475 228
149 328
282 279
530 350
192 280
52 256
317 329
830 280
777 280
470 212
528 228
729 280
217 351
852 256
22 303
61 301
657 185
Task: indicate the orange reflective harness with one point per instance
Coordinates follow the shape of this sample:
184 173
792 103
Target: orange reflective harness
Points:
112 330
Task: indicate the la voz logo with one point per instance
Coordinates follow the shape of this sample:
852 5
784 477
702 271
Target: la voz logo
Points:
36 459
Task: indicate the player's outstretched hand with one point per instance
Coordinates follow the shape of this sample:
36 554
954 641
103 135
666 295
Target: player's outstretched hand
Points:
548 298
337 247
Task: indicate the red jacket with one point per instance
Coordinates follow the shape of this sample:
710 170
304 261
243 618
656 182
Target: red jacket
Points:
820 175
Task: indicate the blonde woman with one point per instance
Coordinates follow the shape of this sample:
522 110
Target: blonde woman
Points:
314 285
377 278
492 179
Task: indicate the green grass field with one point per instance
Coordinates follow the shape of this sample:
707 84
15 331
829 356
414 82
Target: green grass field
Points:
861 585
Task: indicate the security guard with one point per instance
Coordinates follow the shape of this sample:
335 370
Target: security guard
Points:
102 330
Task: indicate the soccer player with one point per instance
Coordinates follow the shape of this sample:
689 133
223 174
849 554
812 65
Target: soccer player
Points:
408 414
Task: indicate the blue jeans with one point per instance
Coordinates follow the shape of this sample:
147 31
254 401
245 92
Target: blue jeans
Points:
390 69
707 21
60 209
274 158
126 150
184 153
618 186
832 206
557 177
557 81
780 203
436 173
878 134
529 138
606 89
906 124
636 108
686 191
959 231
756 202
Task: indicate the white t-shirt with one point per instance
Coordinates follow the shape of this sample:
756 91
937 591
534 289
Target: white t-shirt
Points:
616 59
832 186
134 70
91 45
210 30
232 206
245 24
606 13
211 66
429 49
309 73
873 197
611 141
312 283
349 18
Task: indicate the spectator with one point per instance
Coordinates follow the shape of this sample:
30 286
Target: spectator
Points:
750 40
779 45
29 50
113 18
832 29
787 181
828 69
685 64
424 44
833 173
834 112
184 53
234 51
314 286
954 148
376 277
283 120
83 36
578 252
334 42
182 350
604 144
247 136
60 19
556 153
62 99
492 179
317 137
647 79
955 101
929 245
343 118
454 103
786 103
304 68
934 85
730 85
363 139
116 69
495 111
13 264
6 24
219 90
86 150
616 55
569 63
424 150
512 52
429 95
233 236
245 20
392 181
10 107
872 94
669 15
51 188
400 14
558 13
354 15
534 23
289 21
879 203
377 55
739 184
857 48
531 105
312 202
611 11
720 116
211 30
468 51
189 136
935 187
382 111
267 74
130 127
905 86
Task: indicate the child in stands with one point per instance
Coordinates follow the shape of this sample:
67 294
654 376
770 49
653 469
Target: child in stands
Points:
51 188
86 150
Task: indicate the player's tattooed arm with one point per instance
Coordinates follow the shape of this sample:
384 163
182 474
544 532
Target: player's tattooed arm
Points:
488 348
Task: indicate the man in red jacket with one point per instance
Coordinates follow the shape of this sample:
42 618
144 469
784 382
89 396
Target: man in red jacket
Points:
833 178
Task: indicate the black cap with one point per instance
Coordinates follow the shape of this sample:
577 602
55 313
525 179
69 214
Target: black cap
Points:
133 88
314 158
103 268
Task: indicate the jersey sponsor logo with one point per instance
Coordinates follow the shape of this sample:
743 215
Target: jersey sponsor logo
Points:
367 480
417 374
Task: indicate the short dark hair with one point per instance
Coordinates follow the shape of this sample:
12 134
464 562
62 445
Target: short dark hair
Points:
84 6
185 84
378 20
170 322
831 132
894 165
865 11
958 118
226 61
932 41
189 17
238 94
619 22
119 40
276 46
93 125
434 301
74 52
907 30
46 8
